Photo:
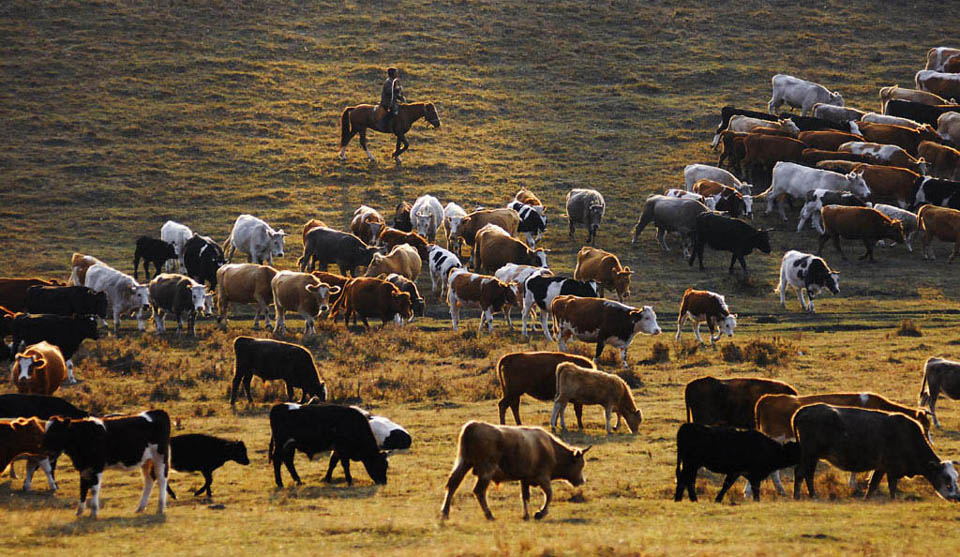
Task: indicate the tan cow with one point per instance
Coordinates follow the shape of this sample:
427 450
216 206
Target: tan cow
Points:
534 374
887 94
490 294
604 268
39 369
245 283
746 124
403 259
310 225
494 248
507 219
941 223
527 197
592 386
703 306
367 224
302 293
79 263
942 161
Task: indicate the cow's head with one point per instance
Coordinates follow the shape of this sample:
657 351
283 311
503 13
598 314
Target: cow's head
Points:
322 291
621 282
572 470
922 166
594 216
423 221
400 303
198 298
790 127
894 231
375 267
832 281
748 206
376 466
538 257
928 133
139 295
237 452
454 225
169 251
645 320
836 99
943 476
761 239
24 368
57 435
276 242
375 227
857 185
728 324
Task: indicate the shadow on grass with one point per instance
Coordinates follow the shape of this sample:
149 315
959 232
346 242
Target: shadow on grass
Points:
336 490
13 499
87 525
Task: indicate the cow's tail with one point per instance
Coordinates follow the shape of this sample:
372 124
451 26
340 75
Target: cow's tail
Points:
270 448
763 195
226 246
921 224
924 388
345 131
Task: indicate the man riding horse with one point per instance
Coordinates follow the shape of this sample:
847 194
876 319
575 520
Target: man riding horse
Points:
390 94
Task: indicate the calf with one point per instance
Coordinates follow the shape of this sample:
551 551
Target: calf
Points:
726 198
585 207
272 360
838 114
490 294
939 376
534 374
66 300
23 437
406 285
178 295
441 262
700 306
745 124
124 293
712 401
202 258
303 293
366 224
256 238
245 283
402 259
727 234
152 250
177 235
452 216
808 274
601 321
310 225
693 173
373 297
727 113
527 197
603 268
326 245
66 333
588 385
39 369
858 223
196 452
540 291
669 215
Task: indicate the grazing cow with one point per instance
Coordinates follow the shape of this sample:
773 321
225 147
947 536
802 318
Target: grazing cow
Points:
390 437
801 94
13 291
176 234
729 451
178 294
410 287
39 369
947 85
256 238
796 180
427 216
700 306
941 223
937 191
518 274
906 138
367 224
23 438
747 124
937 57
908 219
585 208
813 157
859 440
533 223
765 151
332 279
948 127
79 264
601 321
588 385
245 283
403 259
603 268
66 300
326 245
373 297
838 114
534 374
939 376
302 293
726 199
493 249
817 199
693 173
511 453
196 452
858 223
124 294
527 197
505 218
401 217
727 234
670 215
712 401
273 360
888 94
441 262
875 118
152 250
124 442
919 112
942 161
64 332
710 202
827 140
489 293
452 215
728 112
310 225
202 258
808 274
313 429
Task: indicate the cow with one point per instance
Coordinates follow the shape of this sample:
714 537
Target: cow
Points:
66 300
838 114
273 360
510 453
890 183
124 294
176 234
124 442
245 283
919 112
670 215
702 305
937 57
724 198
710 202
585 208
588 385
693 173
728 112
808 274
841 166
79 264
604 269
518 274
178 295
152 250
390 437
406 285
332 279
942 161
941 223
817 199
601 321
256 238
505 218
813 157
731 401
539 291
948 127
64 332
39 369
908 219
859 440
196 452
906 138
801 94
402 259
527 197
827 140
489 293
302 293
947 85
427 216
326 245
724 233
313 429
729 451
401 217
796 180
494 249
937 191
15 405
373 297
310 225
858 223
880 118
940 376
452 215
534 374
914 95
202 257
533 223
366 224
746 124
23 438
440 262
13 291
810 123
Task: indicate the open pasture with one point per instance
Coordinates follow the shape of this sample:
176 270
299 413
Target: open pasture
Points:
121 115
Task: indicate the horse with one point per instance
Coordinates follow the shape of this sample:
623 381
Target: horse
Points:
357 119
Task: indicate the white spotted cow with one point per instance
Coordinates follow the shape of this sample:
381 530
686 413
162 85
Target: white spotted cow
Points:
256 238
808 274
124 294
452 215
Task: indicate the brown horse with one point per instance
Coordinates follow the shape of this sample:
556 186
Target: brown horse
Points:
356 119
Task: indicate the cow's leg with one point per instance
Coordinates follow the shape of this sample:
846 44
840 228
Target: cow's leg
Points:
853 481
545 325
934 393
696 331
502 406
157 322
727 482
571 231
454 308
803 302
547 494
956 251
159 465
868 244
480 492
598 352
140 326
70 377
207 482
607 414
288 453
290 393
116 322
754 482
578 412
85 485
345 464
777 483
892 485
875 479
733 260
246 387
662 237
525 496
559 405
95 495
460 470
836 244
281 323
680 321
334 459
623 358
682 474
147 485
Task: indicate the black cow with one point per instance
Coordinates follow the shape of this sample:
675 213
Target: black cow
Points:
178 295
314 429
152 250
202 257
728 112
326 245
274 359
196 452
810 123
408 286
65 332
936 191
918 112
730 451
727 234
66 300
533 223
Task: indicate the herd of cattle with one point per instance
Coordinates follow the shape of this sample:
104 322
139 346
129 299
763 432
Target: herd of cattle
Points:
858 175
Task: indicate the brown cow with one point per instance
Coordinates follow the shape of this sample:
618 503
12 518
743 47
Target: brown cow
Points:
827 140
941 223
39 369
401 217
310 225
731 148
302 293
245 283
766 150
945 84
23 437
942 161
391 237
79 263
527 197
906 138
494 248
712 401
489 293
843 167
858 223
811 157
367 224
604 268
332 279
601 321
372 297
13 291
534 374
403 259
507 219
588 385
939 376
510 453
890 183
700 306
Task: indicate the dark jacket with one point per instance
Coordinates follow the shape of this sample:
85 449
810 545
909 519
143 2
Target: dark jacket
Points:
391 93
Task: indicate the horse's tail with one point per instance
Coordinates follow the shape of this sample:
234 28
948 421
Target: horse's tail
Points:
345 126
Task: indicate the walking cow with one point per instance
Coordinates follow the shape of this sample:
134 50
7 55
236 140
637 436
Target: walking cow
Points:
585 208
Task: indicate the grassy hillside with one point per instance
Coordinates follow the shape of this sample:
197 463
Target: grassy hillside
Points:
121 115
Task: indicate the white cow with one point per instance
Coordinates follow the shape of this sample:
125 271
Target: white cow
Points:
176 234
124 294
710 202
440 263
908 219
808 274
796 181
452 215
838 114
875 118
746 124
800 93
518 274
937 57
948 126
426 214
254 237
693 173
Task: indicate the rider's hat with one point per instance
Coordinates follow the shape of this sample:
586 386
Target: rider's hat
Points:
392 72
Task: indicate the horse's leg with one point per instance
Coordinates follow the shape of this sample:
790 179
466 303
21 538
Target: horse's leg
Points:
346 140
363 143
397 150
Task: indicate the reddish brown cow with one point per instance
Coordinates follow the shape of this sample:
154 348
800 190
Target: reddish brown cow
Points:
23 437
712 401
731 148
367 224
494 250
507 219
489 293
891 183
843 167
888 134
372 297
941 223
700 306
942 161
391 237
812 157
39 369
858 223
827 140
604 268
534 374
767 150
601 321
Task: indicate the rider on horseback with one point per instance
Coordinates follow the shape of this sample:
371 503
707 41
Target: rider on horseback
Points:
389 95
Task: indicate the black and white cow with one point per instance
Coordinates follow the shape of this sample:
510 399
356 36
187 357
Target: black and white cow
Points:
390 437
65 332
314 429
727 234
937 191
533 223
123 442
66 300
728 112
818 198
540 291
202 257
807 273
152 250
441 262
